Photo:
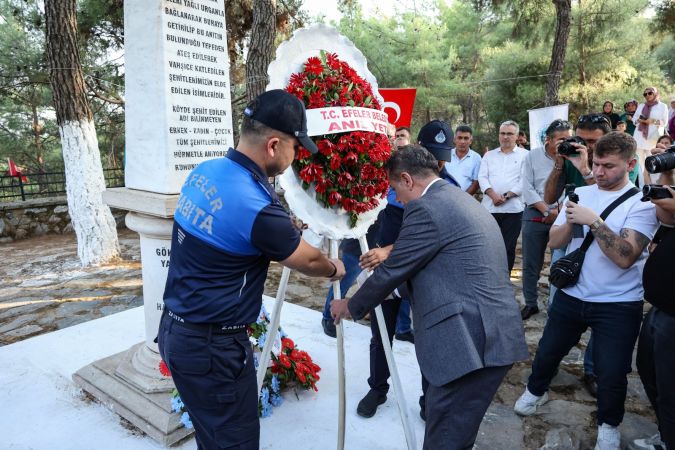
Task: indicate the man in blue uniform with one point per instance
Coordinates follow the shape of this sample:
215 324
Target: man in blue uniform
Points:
229 225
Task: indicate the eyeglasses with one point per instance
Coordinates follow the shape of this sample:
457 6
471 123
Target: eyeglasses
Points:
593 118
648 93
561 124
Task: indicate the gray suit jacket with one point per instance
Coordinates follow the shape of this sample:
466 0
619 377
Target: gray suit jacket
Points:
452 256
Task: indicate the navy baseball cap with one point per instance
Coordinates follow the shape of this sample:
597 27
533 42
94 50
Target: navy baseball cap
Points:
437 137
284 112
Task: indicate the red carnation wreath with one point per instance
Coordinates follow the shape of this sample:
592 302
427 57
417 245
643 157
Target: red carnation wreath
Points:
348 170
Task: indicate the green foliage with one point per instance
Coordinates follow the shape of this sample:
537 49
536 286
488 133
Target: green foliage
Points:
473 61
483 62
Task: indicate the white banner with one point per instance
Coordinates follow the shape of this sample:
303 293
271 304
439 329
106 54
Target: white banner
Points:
541 118
343 119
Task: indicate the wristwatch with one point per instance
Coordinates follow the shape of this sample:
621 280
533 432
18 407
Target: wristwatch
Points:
589 176
597 224
545 213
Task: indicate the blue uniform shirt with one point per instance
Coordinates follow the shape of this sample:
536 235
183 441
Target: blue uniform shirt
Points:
228 225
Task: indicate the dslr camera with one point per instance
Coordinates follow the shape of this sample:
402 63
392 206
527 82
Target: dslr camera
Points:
650 191
661 162
567 149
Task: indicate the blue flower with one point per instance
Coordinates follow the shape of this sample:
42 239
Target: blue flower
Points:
264 396
275 384
256 359
266 411
185 420
177 404
261 340
276 400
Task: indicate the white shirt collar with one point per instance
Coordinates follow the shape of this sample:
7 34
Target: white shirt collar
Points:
429 185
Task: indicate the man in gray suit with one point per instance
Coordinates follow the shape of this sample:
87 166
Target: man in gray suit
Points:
468 327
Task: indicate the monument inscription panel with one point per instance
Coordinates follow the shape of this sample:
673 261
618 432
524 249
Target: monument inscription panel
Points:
182 95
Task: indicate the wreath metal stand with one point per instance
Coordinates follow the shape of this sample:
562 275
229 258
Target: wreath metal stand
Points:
408 429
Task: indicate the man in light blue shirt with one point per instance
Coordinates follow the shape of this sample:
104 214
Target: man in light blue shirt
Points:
465 163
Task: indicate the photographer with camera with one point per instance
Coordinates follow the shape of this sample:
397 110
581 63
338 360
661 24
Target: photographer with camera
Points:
573 161
538 215
604 292
572 167
656 345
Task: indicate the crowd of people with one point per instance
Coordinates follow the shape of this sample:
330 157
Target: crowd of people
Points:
441 256
528 193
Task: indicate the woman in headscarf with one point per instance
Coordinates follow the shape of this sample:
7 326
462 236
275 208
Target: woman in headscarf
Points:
650 120
608 111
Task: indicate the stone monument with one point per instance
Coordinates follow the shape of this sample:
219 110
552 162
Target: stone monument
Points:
177 115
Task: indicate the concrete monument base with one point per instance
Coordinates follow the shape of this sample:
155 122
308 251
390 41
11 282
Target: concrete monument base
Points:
150 412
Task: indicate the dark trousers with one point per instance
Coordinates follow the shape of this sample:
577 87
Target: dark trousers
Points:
509 224
656 366
455 410
535 240
614 329
215 376
379 370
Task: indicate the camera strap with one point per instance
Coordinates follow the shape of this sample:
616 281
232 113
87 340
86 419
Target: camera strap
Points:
625 196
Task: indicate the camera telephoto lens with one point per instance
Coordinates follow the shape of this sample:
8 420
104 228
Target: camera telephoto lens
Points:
661 162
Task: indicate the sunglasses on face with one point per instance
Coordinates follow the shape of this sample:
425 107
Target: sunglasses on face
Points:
593 118
648 93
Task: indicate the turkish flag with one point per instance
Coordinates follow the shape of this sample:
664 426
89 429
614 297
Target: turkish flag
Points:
399 104
14 172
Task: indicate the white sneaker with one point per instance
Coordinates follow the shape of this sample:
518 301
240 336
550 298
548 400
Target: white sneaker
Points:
528 403
651 443
609 438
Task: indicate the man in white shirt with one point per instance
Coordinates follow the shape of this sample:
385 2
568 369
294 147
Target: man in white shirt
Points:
608 295
465 163
499 178
538 215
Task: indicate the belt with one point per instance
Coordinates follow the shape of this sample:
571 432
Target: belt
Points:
213 328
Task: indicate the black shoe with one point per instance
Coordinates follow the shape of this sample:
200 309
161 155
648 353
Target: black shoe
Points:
409 337
329 327
528 311
591 384
368 404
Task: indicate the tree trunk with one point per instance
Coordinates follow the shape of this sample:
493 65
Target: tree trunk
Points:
92 220
261 51
582 57
562 32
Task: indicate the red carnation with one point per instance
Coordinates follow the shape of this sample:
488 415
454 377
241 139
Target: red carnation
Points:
314 66
322 185
287 343
284 361
302 154
164 369
311 173
344 179
350 159
333 198
348 204
335 162
316 100
325 147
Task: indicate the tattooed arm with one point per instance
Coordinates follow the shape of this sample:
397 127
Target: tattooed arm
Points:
623 249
